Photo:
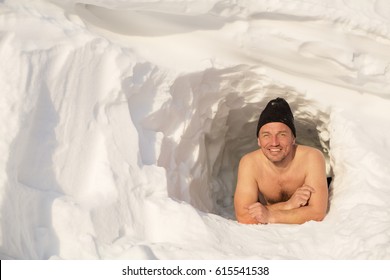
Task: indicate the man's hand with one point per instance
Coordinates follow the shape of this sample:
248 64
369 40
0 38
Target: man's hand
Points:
259 212
300 197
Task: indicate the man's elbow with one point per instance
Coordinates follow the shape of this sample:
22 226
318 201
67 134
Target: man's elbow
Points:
319 216
245 220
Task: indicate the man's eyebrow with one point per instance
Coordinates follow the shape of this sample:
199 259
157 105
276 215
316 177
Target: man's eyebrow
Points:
268 132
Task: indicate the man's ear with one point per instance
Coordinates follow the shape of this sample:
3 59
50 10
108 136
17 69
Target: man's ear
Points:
258 142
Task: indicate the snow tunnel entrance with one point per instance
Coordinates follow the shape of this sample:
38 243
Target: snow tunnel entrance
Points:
210 122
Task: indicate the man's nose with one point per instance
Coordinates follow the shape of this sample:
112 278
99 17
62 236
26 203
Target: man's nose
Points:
275 140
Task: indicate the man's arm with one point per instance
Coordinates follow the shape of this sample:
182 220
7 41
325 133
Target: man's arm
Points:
246 192
318 202
300 198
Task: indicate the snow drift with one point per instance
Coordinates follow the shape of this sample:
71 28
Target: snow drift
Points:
123 123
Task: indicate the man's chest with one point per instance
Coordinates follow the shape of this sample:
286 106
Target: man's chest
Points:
279 188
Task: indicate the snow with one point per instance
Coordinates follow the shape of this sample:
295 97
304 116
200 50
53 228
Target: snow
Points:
123 123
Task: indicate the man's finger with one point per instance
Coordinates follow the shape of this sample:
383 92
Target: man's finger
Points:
309 188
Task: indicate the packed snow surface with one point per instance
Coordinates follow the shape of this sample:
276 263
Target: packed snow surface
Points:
122 124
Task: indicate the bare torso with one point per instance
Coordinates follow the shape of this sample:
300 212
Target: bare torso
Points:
278 185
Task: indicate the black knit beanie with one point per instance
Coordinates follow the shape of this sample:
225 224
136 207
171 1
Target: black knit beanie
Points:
277 110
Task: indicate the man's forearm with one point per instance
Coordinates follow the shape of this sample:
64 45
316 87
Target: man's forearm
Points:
242 214
279 206
295 216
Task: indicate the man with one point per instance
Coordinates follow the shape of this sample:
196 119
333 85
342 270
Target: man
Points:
281 182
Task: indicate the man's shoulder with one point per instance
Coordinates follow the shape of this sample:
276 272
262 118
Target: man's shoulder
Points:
308 152
248 165
251 155
250 158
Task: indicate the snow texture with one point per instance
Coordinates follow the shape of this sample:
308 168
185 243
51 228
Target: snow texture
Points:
123 123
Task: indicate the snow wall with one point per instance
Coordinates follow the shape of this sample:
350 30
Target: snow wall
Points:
120 144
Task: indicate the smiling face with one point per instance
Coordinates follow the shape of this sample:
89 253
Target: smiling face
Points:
276 141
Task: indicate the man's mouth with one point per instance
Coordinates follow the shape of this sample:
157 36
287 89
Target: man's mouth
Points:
275 150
